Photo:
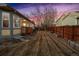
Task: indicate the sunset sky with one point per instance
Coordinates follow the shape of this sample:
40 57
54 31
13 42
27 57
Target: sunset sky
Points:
26 8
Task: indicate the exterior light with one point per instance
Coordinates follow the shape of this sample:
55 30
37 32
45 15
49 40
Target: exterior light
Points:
24 20
24 24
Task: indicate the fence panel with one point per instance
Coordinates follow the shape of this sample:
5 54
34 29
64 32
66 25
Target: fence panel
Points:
67 32
76 33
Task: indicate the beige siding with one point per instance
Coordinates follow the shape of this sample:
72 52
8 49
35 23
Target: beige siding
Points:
16 31
5 32
59 23
70 19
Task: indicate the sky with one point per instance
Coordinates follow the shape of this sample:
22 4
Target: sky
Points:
58 6
26 8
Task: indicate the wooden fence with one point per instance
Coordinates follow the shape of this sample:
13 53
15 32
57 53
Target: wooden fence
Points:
66 32
26 30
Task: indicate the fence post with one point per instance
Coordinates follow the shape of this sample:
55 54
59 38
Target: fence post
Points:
63 31
72 33
55 29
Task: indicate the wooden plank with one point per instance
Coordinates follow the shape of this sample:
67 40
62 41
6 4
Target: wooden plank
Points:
64 46
54 49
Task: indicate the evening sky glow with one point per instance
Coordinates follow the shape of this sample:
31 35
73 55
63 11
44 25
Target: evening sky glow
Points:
26 8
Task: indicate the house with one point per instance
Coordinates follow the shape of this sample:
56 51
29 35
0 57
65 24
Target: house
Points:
68 19
11 22
67 26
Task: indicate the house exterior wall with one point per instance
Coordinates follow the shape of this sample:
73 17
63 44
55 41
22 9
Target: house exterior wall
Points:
70 20
59 23
16 31
24 21
11 31
5 32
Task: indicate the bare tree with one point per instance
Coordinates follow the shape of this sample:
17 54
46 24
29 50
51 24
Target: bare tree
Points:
48 15
37 14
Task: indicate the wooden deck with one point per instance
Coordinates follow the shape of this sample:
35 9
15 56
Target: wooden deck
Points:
43 43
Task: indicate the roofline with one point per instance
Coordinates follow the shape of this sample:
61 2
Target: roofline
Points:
16 12
59 18
77 11
63 17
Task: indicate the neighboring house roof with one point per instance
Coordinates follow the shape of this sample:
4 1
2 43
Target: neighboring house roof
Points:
10 9
65 15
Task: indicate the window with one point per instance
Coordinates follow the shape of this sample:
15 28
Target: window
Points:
5 20
77 20
16 21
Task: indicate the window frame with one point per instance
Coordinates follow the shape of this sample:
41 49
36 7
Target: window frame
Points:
14 19
77 20
7 19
